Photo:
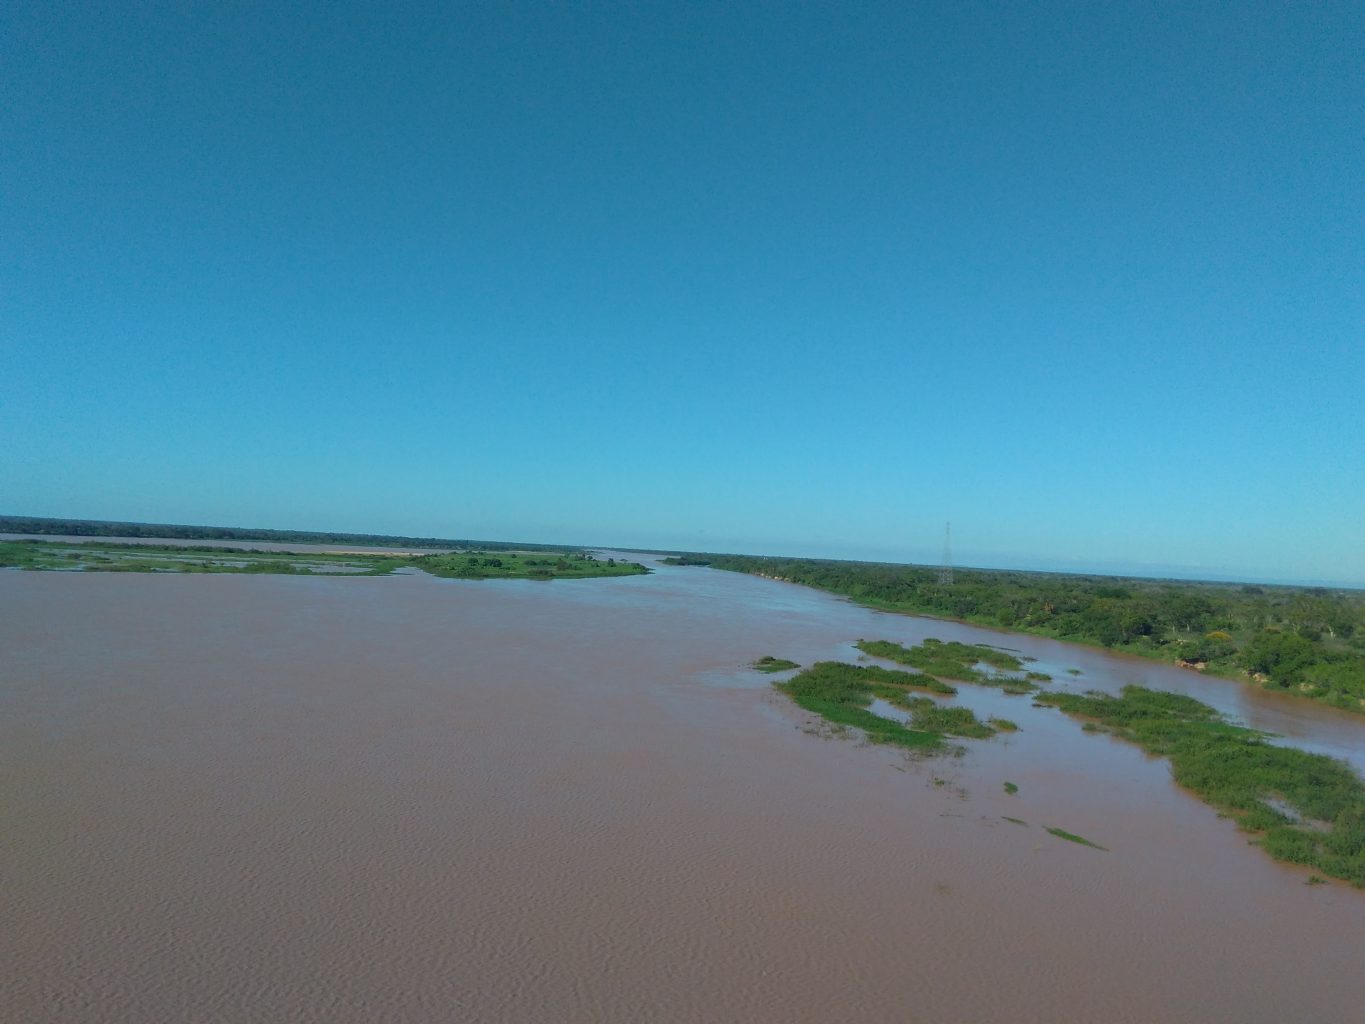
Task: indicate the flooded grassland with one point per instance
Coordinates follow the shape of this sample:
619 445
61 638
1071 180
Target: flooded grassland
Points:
259 798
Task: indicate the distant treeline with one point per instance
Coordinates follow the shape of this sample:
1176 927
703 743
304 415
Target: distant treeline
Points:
102 528
1310 640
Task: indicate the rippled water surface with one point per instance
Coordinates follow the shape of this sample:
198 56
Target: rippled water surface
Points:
247 798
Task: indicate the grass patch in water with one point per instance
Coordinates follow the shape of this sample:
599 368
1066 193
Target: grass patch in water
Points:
930 716
1017 821
768 663
919 681
841 694
1071 837
1237 771
951 660
1011 788
1002 725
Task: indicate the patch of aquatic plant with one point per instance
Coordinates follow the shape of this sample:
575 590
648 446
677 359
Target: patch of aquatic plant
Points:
953 660
1073 671
768 663
1038 677
1308 808
1017 821
891 682
912 680
842 693
920 681
1011 788
929 715
1002 724
20 555
1071 837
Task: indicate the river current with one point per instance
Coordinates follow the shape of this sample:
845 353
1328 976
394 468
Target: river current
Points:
267 798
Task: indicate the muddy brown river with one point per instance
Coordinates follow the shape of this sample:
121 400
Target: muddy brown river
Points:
271 798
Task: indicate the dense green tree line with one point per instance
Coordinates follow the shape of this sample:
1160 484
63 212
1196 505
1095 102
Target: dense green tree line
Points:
1309 640
101 528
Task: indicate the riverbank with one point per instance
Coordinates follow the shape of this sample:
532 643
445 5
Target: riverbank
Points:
1306 641
296 560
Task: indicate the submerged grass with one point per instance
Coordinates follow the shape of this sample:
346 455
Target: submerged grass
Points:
768 663
931 716
954 660
1308 808
1071 837
929 684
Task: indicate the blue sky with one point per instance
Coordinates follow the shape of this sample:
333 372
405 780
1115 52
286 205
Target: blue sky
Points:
1086 280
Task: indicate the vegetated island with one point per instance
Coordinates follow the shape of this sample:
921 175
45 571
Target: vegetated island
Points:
1303 808
45 526
768 663
95 556
843 695
969 663
1305 640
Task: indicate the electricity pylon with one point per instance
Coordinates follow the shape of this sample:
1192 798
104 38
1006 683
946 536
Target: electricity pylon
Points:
945 570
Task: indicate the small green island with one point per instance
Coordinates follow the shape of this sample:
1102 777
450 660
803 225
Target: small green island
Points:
967 663
843 695
473 564
768 663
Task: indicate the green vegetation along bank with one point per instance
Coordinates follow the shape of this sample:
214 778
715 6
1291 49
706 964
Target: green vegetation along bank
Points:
470 565
1303 808
1305 640
43 526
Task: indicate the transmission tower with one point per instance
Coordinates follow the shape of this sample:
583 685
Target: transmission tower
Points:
945 571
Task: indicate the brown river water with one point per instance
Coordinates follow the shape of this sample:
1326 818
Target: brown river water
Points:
255 798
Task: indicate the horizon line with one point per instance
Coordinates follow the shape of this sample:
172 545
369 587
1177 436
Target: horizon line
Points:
1224 578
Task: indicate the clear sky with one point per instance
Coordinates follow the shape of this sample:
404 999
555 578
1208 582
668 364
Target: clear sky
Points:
1087 280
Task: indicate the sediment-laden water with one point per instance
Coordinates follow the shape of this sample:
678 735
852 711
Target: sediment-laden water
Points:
254 798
